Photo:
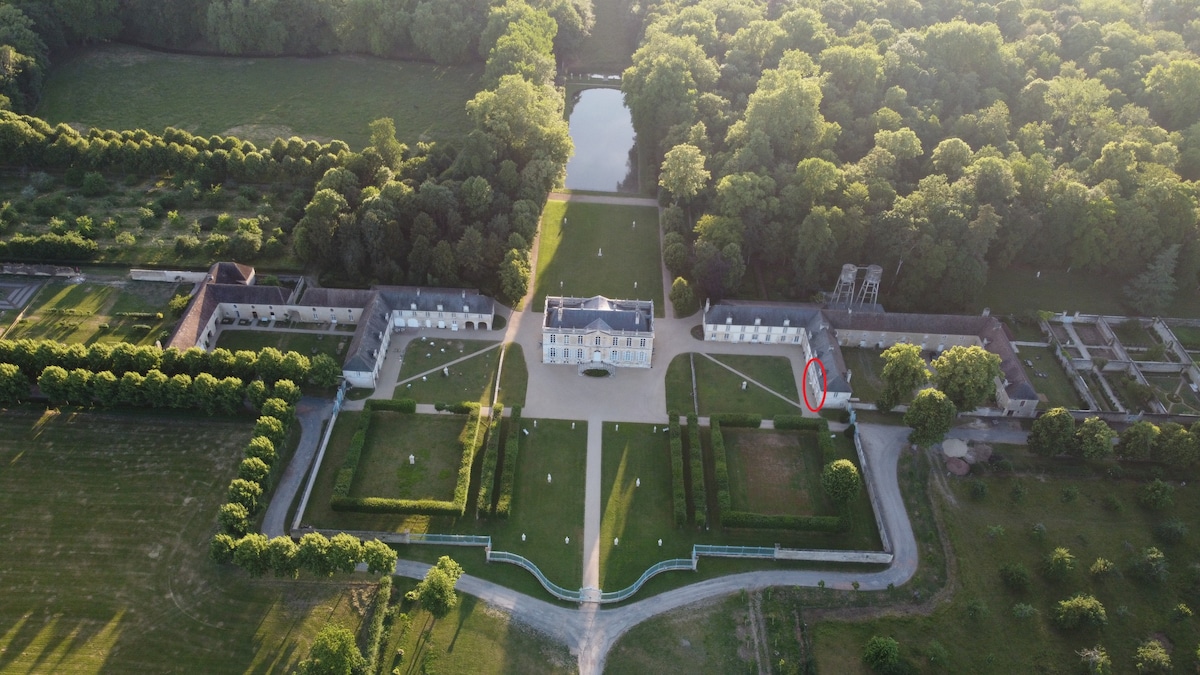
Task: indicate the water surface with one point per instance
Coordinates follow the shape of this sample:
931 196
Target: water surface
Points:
605 158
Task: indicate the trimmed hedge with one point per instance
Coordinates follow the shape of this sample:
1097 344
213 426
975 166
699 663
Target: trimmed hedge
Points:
491 455
801 423
761 521
721 471
738 420
678 491
342 501
460 408
696 453
508 469
404 405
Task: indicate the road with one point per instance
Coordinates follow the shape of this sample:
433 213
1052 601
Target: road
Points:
310 413
590 632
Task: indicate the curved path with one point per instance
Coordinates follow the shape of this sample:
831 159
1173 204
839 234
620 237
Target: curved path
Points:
311 413
591 632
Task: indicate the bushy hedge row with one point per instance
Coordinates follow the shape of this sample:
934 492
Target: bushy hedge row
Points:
268 364
403 405
738 420
696 452
721 471
69 247
246 495
30 141
470 440
459 408
508 470
762 521
678 491
491 455
316 553
801 423
84 387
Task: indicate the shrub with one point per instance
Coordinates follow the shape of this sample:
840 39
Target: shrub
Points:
801 423
1151 566
1018 491
379 610
234 519
1112 503
1070 494
1152 657
882 654
1102 568
1156 495
1016 577
1058 564
1081 610
93 185
1023 610
739 420
403 405
1171 531
979 490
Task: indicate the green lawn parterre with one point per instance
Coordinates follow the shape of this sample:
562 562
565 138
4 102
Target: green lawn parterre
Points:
72 313
259 99
384 469
631 255
309 344
1056 385
720 391
106 563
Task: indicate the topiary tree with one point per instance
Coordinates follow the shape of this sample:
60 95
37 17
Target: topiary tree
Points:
882 654
262 448
1053 433
253 469
14 386
1079 611
683 298
313 554
930 416
1094 439
1138 441
345 552
841 481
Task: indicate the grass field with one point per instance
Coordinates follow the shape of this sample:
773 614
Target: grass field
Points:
867 368
1188 336
568 254
106 562
308 344
544 513
997 642
77 312
773 473
720 391
472 638
470 380
384 471
702 639
1020 291
1056 385
121 87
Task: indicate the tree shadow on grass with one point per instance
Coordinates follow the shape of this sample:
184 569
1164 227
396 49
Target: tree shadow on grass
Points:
466 605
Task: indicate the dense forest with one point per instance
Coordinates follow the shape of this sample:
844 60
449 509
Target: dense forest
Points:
936 139
434 214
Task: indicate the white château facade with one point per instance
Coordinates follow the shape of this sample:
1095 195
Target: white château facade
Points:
596 330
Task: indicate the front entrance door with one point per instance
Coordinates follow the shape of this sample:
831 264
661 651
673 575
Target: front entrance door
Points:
596 356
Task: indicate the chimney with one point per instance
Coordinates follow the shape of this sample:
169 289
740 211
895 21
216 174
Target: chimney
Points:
787 322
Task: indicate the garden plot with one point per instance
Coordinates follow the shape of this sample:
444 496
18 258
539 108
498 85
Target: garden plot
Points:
773 473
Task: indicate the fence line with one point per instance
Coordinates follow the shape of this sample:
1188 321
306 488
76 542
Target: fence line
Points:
653 570
862 463
316 466
520 561
732 551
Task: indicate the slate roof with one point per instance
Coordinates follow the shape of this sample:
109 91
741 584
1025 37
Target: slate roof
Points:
232 273
368 337
598 312
335 297
770 313
202 305
427 299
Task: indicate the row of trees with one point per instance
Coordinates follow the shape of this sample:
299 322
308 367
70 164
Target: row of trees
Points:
1056 433
315 554
793 140
446 31
27 141
269 364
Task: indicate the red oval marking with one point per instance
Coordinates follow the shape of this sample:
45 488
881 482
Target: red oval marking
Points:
824 385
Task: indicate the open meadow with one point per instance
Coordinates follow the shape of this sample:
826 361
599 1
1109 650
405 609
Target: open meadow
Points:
978 630
719 390
107 520
259 99
568 253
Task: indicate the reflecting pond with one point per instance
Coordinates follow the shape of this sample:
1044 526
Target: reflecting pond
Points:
605 156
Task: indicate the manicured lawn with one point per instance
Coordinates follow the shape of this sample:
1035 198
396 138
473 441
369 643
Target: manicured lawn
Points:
308 344
1174 393
121 87
1019 291
1056 385
470 380
106 562
703 639
545 513
472 638
777 474
384 470
679 384
867 368
720 390
996 641
514 378
1188 336
77 312
773 372
567 254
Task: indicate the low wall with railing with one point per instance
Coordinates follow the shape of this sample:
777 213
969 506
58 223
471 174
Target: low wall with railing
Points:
520 561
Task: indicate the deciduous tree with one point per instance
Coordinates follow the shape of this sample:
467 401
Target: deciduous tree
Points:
841 481
967 375
903 371
436 591
930 416
1053 433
